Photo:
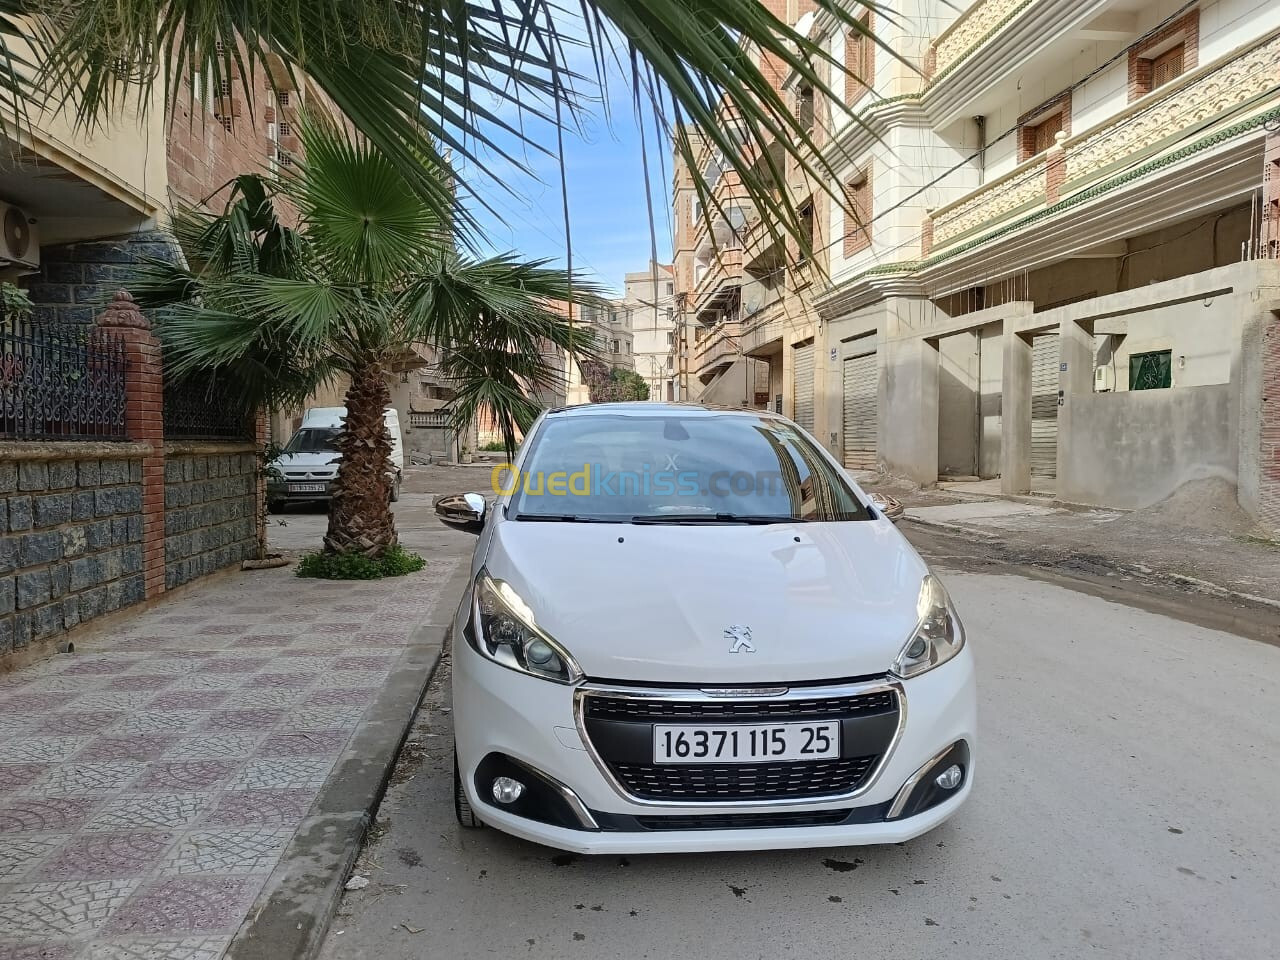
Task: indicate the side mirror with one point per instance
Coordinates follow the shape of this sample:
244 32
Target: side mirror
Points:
891 507
462 511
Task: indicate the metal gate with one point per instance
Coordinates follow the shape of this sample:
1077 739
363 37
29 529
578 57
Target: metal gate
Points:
860 421
1044 405
803 383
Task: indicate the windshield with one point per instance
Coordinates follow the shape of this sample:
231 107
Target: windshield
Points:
313 440
677 469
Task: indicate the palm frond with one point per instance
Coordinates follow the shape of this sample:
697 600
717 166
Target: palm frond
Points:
409 76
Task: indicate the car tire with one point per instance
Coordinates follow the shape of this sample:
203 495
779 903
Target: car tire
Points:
461 805
395 489
275 506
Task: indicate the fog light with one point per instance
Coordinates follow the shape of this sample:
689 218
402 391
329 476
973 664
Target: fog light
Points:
948 779
506 790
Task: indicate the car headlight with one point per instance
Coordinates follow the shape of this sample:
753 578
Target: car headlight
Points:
503 629
938 635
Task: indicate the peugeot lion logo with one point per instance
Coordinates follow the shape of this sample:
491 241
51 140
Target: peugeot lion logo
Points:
741 639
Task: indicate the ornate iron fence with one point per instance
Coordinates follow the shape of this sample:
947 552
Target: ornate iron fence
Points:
60 382
202 407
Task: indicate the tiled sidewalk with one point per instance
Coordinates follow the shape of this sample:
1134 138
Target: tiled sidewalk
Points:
149 784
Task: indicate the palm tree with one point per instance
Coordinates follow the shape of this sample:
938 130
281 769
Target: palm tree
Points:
414 78
369 272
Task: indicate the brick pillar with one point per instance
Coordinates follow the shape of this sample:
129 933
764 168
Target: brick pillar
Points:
1271 198
144 423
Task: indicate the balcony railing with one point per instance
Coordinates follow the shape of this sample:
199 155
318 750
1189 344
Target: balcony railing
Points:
725 271
1238 85
972 28
718 347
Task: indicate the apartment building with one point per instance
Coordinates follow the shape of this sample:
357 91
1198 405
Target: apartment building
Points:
1051 253
649 301
742 291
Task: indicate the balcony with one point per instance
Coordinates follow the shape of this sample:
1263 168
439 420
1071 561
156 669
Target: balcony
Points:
763 316
716 349
1230 94
719 284
994 40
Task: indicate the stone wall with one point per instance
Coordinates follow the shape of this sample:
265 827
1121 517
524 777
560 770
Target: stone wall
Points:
210 520
70 540
77 279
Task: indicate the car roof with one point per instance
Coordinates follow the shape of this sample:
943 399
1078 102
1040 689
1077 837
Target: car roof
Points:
647 408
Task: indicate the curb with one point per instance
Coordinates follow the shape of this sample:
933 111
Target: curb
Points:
292 914
1203 586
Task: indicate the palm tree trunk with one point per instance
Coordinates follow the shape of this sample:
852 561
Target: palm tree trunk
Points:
360 519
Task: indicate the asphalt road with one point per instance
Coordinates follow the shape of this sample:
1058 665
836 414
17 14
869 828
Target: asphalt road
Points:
1125 807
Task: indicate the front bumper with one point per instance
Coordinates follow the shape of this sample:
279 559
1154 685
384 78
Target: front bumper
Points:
499 713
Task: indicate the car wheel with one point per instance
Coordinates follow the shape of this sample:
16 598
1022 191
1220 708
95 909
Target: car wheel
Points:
395 489
275 506
461 805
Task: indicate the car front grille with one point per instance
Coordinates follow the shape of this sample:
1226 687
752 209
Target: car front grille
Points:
616 708
743 781
619 726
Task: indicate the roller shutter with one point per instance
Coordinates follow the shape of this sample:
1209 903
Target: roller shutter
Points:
1044 405
860 416
803 382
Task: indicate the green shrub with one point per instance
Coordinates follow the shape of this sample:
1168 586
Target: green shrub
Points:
396 562
494 446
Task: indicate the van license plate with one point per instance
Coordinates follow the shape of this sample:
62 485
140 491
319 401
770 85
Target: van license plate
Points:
746 742
306 488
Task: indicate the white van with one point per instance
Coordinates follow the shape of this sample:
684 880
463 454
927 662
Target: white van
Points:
306 470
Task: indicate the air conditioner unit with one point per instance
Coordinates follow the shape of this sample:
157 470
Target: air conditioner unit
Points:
19 241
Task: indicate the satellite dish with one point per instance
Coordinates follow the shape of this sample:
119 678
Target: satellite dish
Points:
17 237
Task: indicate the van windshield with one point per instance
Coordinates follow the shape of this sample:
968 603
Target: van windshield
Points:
313 440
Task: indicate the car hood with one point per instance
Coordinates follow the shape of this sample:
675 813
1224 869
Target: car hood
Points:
822 601
323 461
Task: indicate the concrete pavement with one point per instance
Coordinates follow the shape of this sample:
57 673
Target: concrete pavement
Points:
1123 808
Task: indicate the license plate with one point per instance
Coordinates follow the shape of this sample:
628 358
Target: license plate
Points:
746 742
306 488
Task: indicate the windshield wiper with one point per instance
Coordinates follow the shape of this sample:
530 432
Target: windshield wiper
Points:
721 518
559 518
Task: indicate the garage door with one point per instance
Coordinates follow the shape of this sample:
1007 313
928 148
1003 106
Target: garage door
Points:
860 383
803 382
1044 405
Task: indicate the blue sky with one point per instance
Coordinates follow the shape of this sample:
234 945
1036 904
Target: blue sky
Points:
609 214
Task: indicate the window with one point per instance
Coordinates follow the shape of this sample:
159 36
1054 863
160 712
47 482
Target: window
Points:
859 61
806 233
696 211
669 363
613 346
228 124
282 98
671 288
224 88
671 339
1164 56
1168 66
284 128
804 107
857 215
671 314
1151 371
1038 130
284 158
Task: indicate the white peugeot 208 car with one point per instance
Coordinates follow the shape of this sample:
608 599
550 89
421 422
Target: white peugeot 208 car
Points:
687 629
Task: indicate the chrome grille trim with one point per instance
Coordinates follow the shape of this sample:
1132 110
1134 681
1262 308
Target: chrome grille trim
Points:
587 690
